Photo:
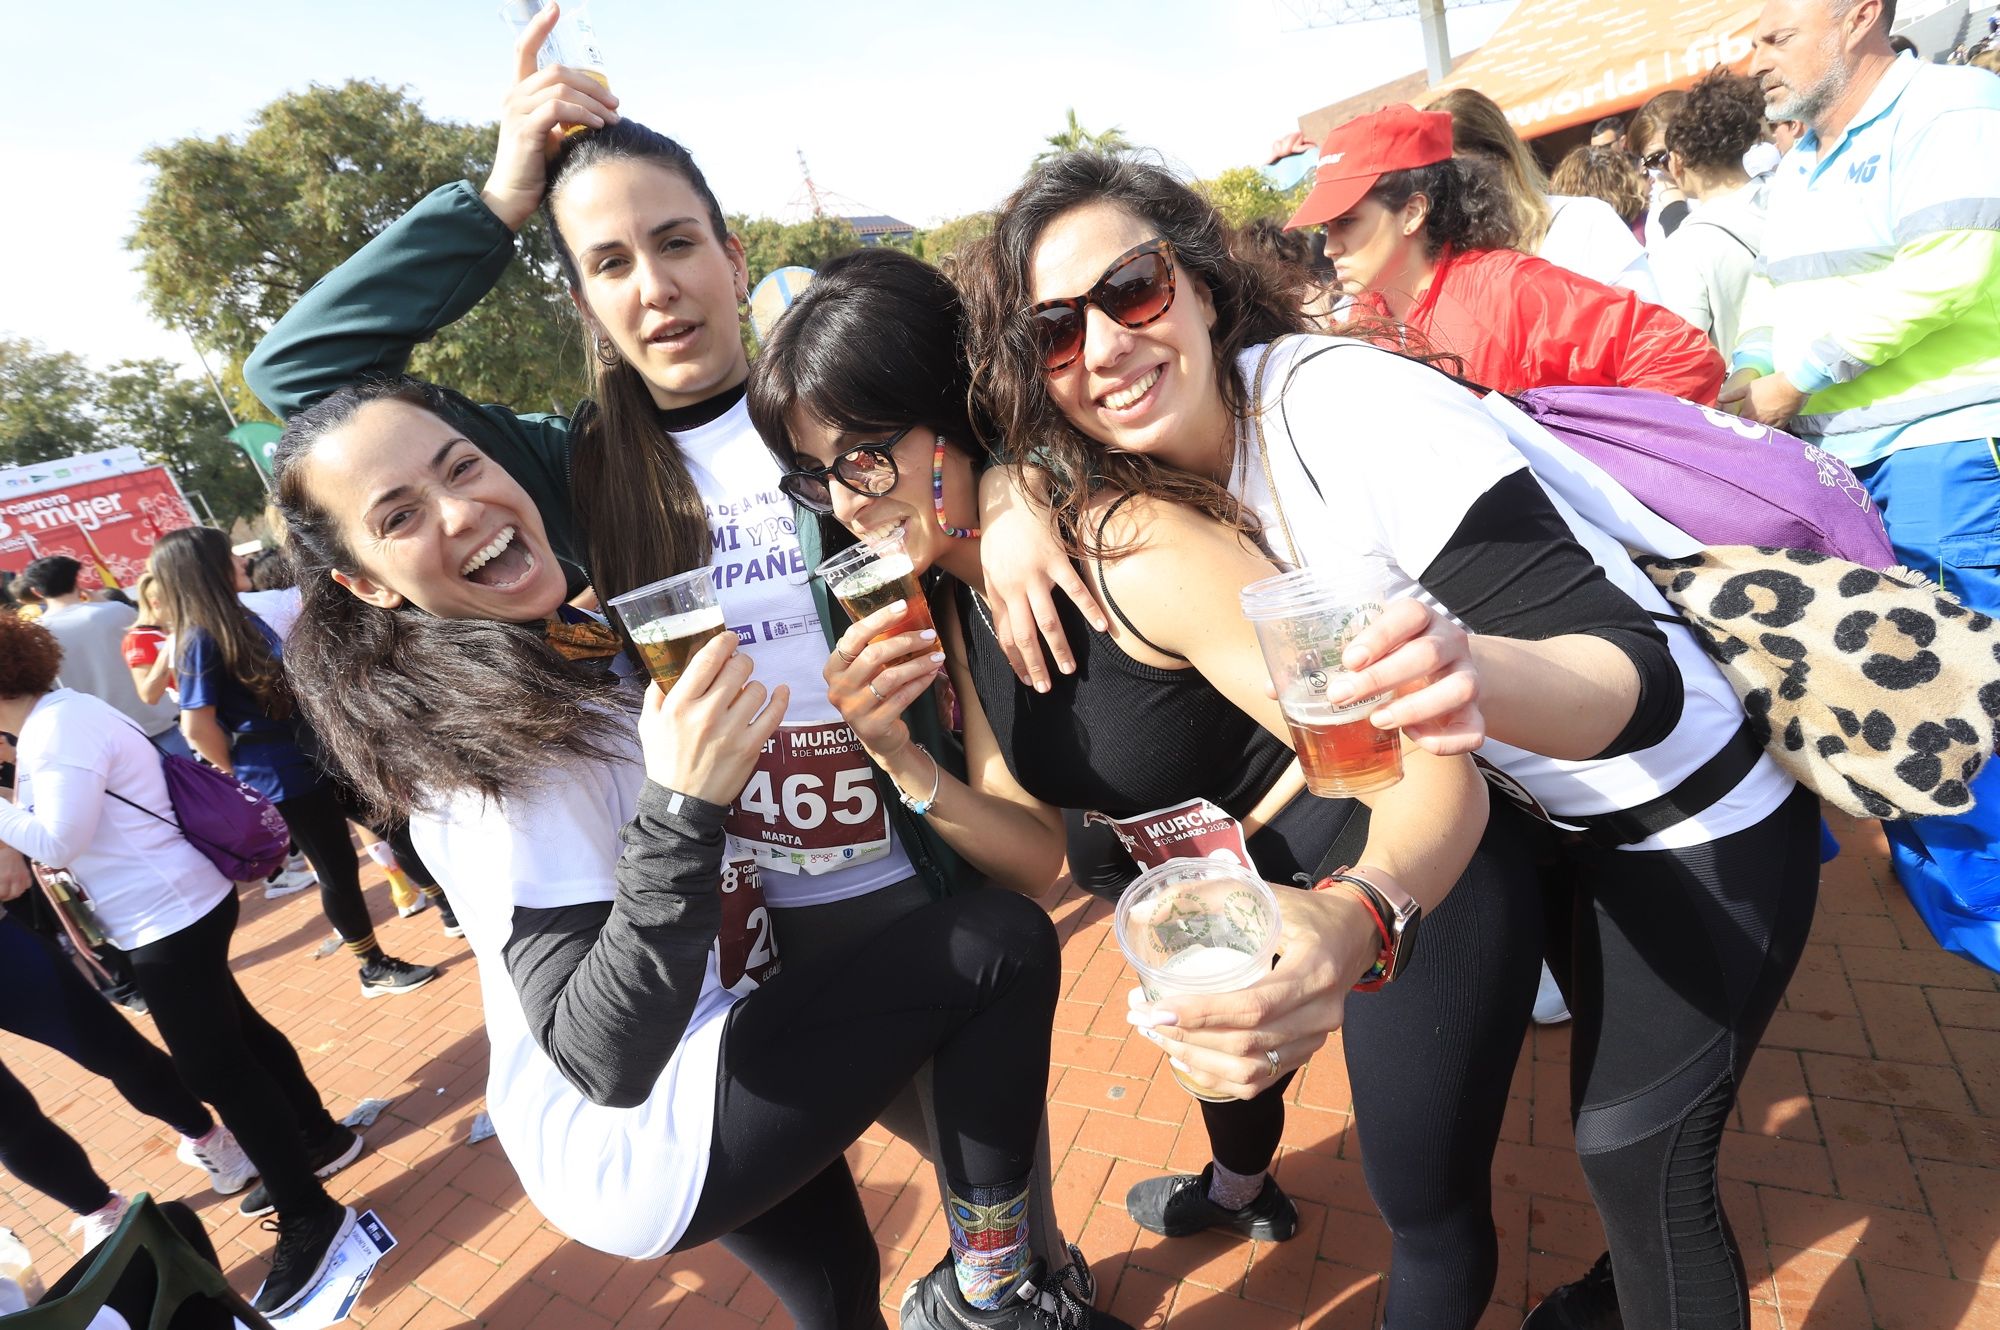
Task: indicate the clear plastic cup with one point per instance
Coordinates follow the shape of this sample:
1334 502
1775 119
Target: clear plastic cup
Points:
1197 926
670 620
1304 621
875 573
573 43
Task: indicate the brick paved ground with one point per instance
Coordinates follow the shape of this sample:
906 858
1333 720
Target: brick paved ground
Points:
1863 1173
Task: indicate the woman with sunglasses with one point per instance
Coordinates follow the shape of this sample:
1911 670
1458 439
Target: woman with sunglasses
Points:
1696 864
1421 237
1166 714
658 472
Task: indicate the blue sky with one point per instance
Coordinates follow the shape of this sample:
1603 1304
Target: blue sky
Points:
925 111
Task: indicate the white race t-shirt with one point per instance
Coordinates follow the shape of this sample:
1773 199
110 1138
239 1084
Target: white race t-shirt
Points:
1588 237
92 635
143 878
622 1180
1400 455
812 815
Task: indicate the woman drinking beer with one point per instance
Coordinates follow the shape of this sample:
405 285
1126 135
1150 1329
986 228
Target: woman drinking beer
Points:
1164 726
1697 861
659 473
655 1081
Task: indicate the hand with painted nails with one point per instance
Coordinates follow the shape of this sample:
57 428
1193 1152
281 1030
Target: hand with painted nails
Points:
1022 563
539 107
872 683
1223 1042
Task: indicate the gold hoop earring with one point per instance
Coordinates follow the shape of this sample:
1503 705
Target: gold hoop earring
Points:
607 354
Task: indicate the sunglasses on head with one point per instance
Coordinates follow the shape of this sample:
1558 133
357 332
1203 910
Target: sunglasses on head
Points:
1137 289
870 470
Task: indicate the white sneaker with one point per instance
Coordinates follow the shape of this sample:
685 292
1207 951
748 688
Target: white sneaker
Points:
422 903
1550 1009
91 1229
289 881
229 1169
296 862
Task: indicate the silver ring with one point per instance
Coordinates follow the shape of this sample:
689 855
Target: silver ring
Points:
1272 1055
878 695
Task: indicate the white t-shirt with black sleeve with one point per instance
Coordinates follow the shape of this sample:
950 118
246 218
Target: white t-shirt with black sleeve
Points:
624 1180
1377 460
143 878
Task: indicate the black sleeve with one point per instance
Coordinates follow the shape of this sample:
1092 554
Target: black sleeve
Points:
1514 569
608 987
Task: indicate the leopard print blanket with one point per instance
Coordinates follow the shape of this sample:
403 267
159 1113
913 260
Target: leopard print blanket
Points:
1877 689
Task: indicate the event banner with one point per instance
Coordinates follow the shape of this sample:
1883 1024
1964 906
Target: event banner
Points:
107 522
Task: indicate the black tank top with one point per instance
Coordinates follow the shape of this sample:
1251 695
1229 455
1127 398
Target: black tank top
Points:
1123 737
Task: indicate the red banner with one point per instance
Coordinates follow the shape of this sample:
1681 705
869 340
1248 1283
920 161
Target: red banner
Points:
108 524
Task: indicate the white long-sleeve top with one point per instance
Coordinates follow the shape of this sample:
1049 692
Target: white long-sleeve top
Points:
142 876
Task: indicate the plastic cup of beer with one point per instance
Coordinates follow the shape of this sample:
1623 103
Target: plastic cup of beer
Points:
573 42
1304 621
1197 926
874 573
670 620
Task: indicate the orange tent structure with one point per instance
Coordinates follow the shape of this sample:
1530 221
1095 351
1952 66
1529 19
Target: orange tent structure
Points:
1558 63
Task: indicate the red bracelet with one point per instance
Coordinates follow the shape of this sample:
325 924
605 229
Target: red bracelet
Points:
1378 973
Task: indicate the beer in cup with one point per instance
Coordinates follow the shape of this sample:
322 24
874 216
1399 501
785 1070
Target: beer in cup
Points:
1304 621
1197 926
874 573
573 43
670 620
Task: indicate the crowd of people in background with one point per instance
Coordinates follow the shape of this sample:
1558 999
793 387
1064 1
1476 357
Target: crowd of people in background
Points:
1090 431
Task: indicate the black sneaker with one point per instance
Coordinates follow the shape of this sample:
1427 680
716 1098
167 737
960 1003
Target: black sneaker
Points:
385 975
328 1155
1177 1207
1591 1303
306 1244
1036 1302
452 928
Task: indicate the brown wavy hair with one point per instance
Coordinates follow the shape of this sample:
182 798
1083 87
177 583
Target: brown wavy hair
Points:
30 657
1603 173
1479 128
196 575
1256 300
635 501
413 708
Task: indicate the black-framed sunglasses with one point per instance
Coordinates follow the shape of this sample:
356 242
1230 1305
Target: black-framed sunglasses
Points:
1137 289
1655 160
868 469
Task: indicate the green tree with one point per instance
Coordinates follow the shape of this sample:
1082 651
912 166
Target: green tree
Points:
178 423
47 401
234 229
1073 137
1242 195
769 244
938 243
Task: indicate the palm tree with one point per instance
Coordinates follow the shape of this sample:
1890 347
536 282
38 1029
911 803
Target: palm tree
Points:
1073 137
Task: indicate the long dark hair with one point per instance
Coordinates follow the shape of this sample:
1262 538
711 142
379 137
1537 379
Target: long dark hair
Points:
1469 207
877 342
413 708
639 508
196 575
1256 300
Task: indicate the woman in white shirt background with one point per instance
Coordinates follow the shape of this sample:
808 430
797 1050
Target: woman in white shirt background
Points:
90 796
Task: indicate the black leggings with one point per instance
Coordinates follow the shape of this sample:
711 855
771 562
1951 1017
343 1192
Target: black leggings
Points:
811 1058
1681 956
231 1056
319 824
1429 1060
43 998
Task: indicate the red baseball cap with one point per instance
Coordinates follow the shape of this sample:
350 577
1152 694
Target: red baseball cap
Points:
1360 152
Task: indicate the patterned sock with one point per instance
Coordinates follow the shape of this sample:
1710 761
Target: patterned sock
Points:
367 948
989 1239
1233 1191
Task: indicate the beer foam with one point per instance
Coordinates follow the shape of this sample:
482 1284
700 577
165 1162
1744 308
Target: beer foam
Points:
1201 964
874 576
676 626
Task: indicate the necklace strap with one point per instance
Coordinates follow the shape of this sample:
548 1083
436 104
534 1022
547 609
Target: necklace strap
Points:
1264 453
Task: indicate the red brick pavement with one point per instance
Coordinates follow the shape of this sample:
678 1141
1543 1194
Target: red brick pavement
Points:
1862 1174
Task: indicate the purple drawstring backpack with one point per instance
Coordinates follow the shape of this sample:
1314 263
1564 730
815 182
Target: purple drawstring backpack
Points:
236 829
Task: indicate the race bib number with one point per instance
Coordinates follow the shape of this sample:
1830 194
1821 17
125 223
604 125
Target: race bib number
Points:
745 948
811 806
1196 829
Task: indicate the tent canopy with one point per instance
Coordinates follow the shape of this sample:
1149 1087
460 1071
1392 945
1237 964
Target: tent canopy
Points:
1558 63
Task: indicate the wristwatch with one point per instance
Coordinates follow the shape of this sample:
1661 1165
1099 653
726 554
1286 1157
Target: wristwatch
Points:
1397 917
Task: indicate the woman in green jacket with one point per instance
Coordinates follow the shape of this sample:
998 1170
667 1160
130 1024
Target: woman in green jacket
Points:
657 472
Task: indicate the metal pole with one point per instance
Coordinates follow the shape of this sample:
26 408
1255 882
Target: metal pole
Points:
210 374
1437 41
